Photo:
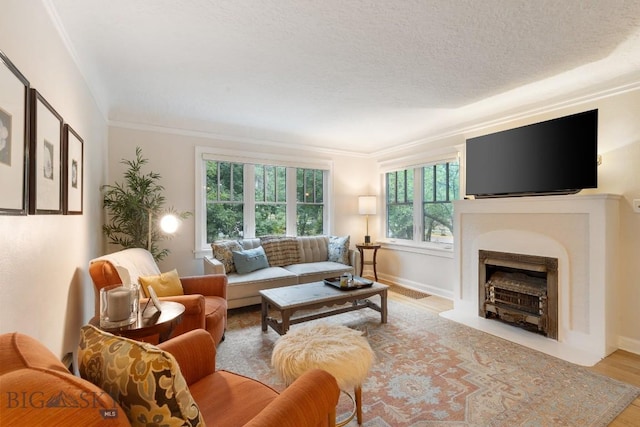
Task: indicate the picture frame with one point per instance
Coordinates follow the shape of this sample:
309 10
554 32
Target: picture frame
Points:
14 139
73 175
154 297
45 157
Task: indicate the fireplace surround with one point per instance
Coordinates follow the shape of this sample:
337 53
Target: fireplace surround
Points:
581 232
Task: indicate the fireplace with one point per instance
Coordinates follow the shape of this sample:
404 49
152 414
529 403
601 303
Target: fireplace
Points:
519 289
581 232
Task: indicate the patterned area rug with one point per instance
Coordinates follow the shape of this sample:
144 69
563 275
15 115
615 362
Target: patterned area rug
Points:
431 371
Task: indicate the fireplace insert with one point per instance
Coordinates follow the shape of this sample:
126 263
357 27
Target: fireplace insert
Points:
519 289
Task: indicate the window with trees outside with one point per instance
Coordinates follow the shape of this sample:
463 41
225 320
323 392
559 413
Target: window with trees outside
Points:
310 202
224 200
270 199
253 200
419 203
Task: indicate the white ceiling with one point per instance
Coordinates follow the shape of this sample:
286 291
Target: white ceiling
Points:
353 75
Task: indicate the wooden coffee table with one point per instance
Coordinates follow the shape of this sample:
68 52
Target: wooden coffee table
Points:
289 299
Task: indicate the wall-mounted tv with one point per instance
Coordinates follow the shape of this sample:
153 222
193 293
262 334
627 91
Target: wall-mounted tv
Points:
558 156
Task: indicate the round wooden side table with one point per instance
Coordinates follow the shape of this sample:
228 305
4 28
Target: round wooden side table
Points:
362 248
150 322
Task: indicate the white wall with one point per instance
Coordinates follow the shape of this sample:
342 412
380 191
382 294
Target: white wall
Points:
45 290
172 155
619 145
624 178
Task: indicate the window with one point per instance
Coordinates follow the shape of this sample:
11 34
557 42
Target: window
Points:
271 199
441 186
250 199
310 201
400 204
424 212
224 200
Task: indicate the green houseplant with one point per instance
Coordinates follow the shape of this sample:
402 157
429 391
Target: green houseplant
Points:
134 207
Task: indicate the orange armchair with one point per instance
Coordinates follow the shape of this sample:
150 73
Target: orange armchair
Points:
228 399
205 297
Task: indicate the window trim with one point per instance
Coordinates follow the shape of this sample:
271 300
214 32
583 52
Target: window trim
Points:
448 154
205 153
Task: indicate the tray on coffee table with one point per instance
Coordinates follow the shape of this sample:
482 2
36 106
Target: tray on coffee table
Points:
357 283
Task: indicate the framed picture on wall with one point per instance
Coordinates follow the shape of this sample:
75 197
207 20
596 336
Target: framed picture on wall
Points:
73 157
45 158
14 139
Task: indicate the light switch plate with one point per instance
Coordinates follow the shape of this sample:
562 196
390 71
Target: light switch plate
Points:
636 205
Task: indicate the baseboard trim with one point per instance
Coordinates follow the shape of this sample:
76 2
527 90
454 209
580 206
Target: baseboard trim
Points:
422 287
629 344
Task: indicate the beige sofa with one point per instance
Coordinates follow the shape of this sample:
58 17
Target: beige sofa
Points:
314 265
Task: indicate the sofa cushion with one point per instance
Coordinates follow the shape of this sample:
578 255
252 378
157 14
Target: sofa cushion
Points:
250 243
144 380
244 289
313 248
223 252
316 271
339 249
164 284
250 260
281 250
276 274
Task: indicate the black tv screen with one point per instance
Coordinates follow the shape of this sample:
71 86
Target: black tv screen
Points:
558 156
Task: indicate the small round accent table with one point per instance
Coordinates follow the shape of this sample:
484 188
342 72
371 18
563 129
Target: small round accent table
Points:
363 247
343 352
150 322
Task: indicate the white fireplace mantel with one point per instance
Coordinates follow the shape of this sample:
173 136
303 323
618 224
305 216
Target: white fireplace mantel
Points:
581 231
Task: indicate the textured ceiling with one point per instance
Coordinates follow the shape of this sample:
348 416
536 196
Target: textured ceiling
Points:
353 75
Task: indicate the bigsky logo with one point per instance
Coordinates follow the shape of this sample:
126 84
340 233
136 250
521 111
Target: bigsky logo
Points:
62 400
38 400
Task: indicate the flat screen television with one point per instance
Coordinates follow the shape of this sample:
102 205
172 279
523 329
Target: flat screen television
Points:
558 156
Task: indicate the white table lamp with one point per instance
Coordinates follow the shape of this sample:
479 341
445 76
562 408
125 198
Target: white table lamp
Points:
367 206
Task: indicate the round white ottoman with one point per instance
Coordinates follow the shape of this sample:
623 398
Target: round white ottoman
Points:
339 350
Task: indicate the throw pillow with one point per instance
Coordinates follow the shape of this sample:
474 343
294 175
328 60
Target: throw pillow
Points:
339 249
144 380
164 284
281 250
250 260
223 252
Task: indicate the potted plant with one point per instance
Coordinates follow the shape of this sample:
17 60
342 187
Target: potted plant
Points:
134 208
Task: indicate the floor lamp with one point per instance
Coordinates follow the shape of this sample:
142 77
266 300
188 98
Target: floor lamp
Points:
168 224
367 206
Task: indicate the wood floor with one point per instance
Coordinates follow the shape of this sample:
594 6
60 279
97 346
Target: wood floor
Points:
621 365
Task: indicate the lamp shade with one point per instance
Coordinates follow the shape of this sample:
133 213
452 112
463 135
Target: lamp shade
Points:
367 205
169 223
